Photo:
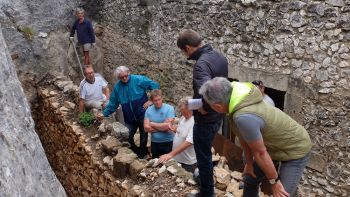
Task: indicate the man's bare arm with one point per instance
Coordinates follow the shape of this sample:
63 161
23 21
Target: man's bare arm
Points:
81 105
164 126
106 92
146 125
183 146
264 161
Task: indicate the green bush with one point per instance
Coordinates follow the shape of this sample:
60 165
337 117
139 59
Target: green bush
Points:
86 118
28 32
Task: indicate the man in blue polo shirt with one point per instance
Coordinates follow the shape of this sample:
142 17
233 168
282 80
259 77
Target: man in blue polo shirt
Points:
85 34
158 119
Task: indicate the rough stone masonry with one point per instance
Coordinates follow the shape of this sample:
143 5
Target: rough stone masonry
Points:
300 47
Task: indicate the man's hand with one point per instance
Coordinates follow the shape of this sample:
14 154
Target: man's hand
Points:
93 44
99 116
172 127
104 104
249 170
164 158
278 190
202 111
147 104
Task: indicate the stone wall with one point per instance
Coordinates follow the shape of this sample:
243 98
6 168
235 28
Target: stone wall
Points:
300 47
67 146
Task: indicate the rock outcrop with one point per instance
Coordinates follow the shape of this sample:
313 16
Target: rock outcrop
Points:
24 168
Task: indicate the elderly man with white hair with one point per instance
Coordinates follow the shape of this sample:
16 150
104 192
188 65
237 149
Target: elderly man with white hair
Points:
130 92
270 138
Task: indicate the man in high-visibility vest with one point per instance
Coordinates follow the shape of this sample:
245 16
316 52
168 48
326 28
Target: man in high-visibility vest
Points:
268 136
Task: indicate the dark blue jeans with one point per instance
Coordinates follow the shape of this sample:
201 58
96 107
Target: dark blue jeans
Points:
189 168
142 150
161 148
290 173
203 136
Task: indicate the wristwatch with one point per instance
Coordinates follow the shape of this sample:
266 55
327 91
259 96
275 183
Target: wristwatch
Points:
274 181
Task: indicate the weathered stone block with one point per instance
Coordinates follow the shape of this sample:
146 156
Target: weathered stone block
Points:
317 162
236 175
122 161
136 167
179 172
136 190
223 178
233 187
116 128
69 105
110 145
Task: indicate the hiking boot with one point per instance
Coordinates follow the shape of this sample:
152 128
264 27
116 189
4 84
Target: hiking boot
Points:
193 195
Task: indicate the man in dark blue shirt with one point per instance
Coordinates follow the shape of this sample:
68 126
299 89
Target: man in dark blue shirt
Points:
209 64
85 34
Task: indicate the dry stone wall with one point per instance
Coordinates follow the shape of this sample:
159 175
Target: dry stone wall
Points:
300 47
67 146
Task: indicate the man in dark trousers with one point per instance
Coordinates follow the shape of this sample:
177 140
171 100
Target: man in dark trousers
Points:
85 34
209 64
130 91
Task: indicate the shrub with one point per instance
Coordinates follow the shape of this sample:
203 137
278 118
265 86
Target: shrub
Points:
28 32
86 118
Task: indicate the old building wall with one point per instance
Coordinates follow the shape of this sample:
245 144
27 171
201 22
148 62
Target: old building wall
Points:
300 47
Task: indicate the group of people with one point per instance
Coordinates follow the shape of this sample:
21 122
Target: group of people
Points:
275 146
168 138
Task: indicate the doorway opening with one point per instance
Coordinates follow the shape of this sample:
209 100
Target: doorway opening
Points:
277 96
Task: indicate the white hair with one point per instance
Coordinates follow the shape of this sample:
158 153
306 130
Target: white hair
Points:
121 69
217 90
79 10
183 101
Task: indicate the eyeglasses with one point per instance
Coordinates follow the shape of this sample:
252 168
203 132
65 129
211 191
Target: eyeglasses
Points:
123 76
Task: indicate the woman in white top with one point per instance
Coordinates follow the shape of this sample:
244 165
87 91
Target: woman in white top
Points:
183 150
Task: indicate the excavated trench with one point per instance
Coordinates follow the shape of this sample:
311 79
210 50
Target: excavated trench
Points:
96 161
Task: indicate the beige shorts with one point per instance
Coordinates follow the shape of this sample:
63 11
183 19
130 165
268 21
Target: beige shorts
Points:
86 47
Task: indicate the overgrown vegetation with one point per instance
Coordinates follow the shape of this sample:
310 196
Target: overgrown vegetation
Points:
28 32
86 119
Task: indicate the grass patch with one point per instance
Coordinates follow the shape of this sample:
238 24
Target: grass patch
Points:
27 32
